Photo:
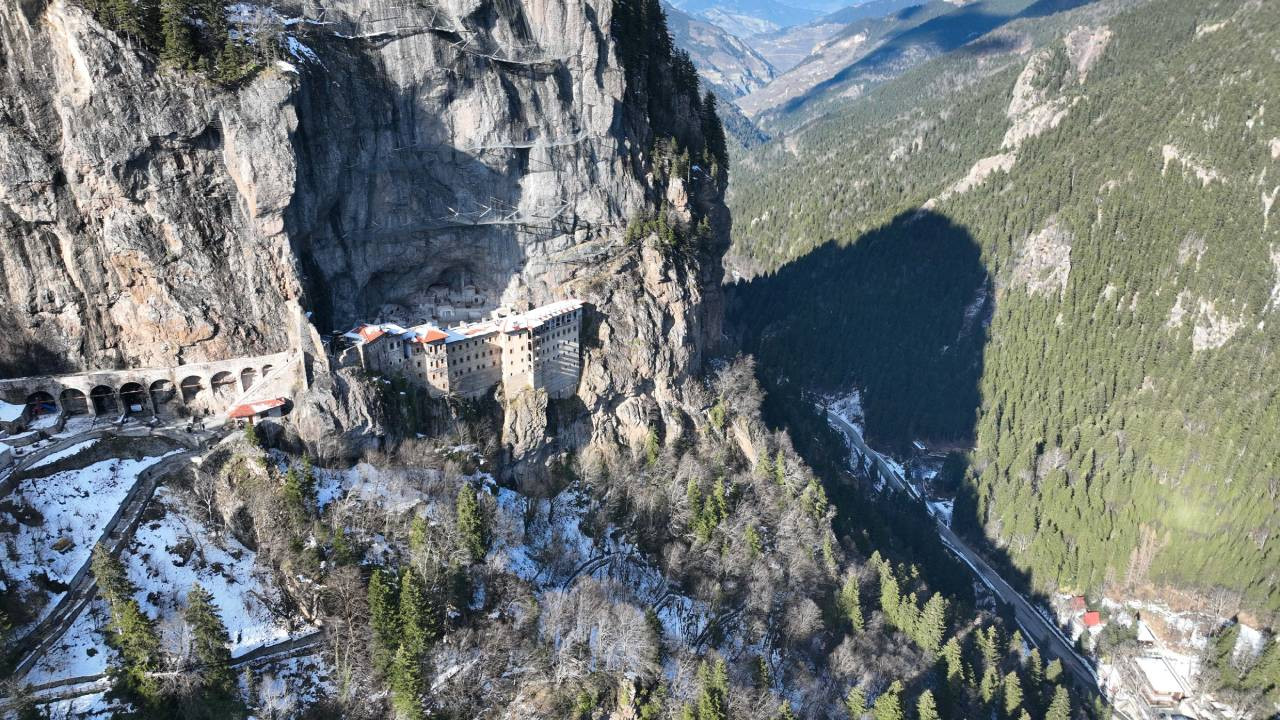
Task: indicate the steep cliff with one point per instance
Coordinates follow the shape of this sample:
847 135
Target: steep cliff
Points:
150 216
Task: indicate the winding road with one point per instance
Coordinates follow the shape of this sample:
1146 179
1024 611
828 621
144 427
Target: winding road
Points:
1035 626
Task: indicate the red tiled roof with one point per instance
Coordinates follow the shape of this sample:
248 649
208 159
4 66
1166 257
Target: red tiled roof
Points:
370 332
431 335
1092 618
257 408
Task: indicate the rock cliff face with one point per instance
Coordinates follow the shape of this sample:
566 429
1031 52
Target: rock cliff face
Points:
150 217
140 213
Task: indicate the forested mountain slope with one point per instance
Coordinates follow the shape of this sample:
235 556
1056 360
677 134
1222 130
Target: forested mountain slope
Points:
1090 297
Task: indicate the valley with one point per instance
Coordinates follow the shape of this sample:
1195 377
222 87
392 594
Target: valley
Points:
639 360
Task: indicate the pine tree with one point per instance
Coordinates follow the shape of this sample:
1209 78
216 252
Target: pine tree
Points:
472 525
1035 680
1012 695
250 432
129 631
1060 708
889 705
1053 671
417 626
855 703
926 708
651 447
754 543
890 596
953 663
989 685
713 696
211 647
784 711
406 685
850 604
989 646
214 15
384 619
179 49
232 60
932 624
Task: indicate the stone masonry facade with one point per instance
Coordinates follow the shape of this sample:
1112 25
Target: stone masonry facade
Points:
537 349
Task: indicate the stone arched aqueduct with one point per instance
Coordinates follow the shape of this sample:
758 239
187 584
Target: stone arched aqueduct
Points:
185 390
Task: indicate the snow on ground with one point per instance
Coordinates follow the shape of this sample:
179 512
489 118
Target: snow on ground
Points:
10 412
285 687
556 534
300 51
85 707
894 466
849 407
81 651
941 509
371 485
64 453
168 556
76 506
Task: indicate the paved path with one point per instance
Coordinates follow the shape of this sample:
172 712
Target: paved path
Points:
74 687
1045 634
82 588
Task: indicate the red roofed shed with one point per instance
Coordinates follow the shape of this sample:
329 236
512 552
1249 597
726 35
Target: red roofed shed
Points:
251 410
1093 618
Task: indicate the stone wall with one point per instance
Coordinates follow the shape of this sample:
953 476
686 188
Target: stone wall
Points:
193 389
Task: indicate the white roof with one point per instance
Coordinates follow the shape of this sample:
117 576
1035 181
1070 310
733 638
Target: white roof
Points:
523 321
539 315
1144 633
1159 675
10 412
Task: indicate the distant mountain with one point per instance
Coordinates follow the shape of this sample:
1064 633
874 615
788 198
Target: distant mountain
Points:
726 63
870 50
786 47
745 18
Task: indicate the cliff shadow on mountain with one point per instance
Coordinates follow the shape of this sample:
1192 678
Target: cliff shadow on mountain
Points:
897 314
901 315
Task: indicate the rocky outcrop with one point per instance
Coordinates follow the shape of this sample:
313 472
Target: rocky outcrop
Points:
725 62
152 217
340 417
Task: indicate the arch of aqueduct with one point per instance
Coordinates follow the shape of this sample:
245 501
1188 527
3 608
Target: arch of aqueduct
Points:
196 389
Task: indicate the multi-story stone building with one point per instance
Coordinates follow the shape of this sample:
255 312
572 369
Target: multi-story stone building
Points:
537 349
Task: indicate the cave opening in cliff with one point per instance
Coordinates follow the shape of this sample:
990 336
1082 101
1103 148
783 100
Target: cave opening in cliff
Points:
248 377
